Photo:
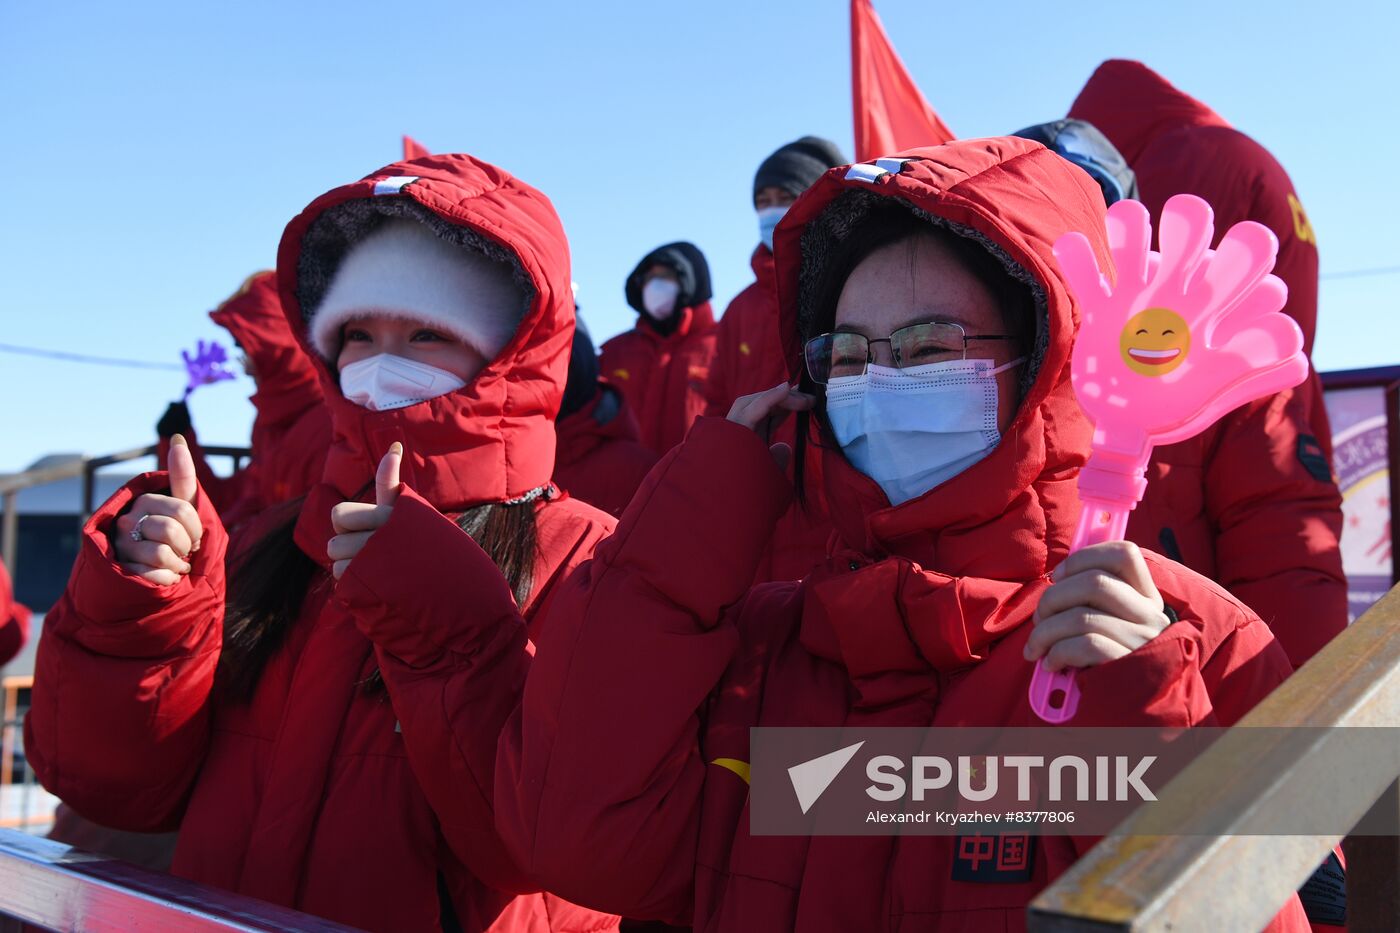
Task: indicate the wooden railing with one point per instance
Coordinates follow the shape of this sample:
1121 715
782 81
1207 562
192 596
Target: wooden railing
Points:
1179 864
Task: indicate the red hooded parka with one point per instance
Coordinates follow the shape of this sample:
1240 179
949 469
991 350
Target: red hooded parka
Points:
368 808
919 619
662 367
663 377
748 353
292 429
1251 502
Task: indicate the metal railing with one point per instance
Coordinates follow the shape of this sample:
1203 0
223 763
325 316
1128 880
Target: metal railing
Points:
1165 871
84 467
58 887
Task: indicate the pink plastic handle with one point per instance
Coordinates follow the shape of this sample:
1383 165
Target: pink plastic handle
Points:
1054 696
1184 335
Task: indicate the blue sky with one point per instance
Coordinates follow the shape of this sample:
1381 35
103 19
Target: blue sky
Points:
153 152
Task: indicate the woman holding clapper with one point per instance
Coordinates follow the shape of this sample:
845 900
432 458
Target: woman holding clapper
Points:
932 330
322 725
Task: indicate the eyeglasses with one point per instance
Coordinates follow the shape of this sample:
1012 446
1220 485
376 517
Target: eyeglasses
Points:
843 354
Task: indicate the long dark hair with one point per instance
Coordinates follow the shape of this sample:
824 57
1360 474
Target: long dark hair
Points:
885 223
270 581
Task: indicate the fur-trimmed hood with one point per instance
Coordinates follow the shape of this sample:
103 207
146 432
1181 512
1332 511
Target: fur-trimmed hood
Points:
493 439
1008 516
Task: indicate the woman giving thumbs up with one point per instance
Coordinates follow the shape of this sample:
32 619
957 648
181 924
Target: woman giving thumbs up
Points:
323 728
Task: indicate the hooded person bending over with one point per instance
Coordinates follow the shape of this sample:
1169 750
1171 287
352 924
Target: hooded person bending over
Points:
292 429
1251 501
937 335
661 365
322 724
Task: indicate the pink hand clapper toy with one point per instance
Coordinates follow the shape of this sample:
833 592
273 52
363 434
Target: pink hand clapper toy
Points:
1185 335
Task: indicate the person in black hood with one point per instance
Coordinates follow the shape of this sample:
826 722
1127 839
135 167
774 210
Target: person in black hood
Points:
661 365
1083 144
668 279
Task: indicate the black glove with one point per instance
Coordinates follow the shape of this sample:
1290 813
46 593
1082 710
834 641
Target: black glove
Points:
176 420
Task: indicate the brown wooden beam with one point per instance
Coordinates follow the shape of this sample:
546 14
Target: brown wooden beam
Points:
1184 863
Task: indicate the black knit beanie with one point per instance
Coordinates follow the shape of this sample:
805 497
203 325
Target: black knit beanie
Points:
797 165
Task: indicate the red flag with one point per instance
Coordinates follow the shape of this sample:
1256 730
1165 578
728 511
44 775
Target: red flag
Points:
890 113
413 149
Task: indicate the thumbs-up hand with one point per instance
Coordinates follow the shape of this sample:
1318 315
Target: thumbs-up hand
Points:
354 522
157 536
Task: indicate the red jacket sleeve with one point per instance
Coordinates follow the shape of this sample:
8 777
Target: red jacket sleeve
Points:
120 716
452 648
1278 522
599 776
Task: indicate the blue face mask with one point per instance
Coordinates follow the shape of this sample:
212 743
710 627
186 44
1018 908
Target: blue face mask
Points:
768 218
913 429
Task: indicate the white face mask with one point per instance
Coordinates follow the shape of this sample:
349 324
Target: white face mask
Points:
912 429
768 218
659 297
385 382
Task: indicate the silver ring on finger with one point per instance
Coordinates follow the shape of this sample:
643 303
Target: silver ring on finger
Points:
136 534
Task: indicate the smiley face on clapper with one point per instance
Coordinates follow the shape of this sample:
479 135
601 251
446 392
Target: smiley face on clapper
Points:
1204 326
1155 342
